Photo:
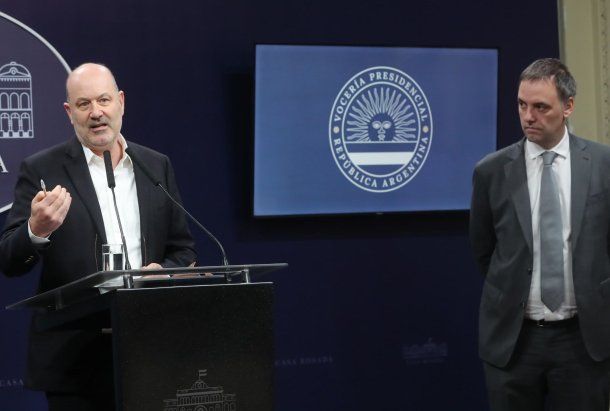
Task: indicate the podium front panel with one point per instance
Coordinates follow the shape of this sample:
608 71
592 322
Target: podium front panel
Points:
198 348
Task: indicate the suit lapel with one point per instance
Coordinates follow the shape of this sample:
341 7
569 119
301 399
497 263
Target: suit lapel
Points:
144 188
78 172
516 178
580 164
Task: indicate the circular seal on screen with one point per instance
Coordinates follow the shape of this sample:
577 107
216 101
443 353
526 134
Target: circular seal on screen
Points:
380 129
32 88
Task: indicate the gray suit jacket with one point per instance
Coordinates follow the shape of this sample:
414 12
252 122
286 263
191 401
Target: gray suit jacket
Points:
501 238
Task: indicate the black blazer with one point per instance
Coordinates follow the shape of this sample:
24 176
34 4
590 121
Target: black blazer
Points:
501 238
62 360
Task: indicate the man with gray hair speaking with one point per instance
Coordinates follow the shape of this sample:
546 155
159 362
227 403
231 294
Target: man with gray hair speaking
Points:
66 227
540 231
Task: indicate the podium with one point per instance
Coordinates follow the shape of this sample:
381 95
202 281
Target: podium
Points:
197 338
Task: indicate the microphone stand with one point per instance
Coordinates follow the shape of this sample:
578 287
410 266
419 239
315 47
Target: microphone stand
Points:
157 183
111 185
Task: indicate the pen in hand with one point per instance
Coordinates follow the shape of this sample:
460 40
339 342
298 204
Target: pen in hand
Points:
43 186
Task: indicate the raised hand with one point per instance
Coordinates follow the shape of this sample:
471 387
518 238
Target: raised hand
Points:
49 211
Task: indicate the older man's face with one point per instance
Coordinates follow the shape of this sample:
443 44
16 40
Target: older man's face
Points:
95 107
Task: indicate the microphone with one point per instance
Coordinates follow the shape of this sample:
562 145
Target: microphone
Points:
109 171
111 185
149 174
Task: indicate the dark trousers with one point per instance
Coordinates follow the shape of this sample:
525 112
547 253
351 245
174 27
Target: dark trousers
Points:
550 367
95 394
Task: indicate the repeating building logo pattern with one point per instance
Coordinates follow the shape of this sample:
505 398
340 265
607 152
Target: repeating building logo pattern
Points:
16 108
201 397
380 129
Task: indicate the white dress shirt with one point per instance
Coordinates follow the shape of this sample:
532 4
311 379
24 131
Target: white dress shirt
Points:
127 202
561 172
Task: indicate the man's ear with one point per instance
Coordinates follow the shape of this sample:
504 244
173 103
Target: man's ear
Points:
568 107
122 100
68 111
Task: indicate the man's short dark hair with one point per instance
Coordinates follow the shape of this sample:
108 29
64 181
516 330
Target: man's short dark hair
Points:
555 70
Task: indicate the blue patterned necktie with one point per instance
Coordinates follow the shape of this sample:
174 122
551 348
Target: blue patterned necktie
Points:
551 237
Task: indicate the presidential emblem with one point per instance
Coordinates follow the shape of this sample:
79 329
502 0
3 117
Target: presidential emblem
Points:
380 129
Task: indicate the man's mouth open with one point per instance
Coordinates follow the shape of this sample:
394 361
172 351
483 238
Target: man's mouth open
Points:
98 127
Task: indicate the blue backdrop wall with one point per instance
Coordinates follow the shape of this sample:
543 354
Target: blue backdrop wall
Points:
375 311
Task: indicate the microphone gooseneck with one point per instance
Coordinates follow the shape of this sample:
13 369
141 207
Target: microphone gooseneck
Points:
111 185
109 172
151 176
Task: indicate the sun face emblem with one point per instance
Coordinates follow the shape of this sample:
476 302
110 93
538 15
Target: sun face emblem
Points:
381 115
381 128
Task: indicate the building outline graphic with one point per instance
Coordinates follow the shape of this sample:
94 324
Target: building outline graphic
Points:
16 103
201 397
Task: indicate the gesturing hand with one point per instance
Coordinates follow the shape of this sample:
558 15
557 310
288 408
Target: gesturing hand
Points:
49 211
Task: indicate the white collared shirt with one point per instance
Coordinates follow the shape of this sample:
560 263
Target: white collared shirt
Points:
127 202
561 170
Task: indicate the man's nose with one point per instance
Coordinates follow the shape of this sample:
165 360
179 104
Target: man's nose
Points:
96 110
528 115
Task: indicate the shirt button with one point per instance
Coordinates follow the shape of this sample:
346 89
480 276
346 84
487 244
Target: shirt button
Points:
529 271
522 304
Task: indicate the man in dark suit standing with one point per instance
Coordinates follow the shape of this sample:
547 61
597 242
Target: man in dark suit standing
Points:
66 227
539 228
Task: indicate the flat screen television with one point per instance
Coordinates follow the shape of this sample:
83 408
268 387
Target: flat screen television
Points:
370 129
